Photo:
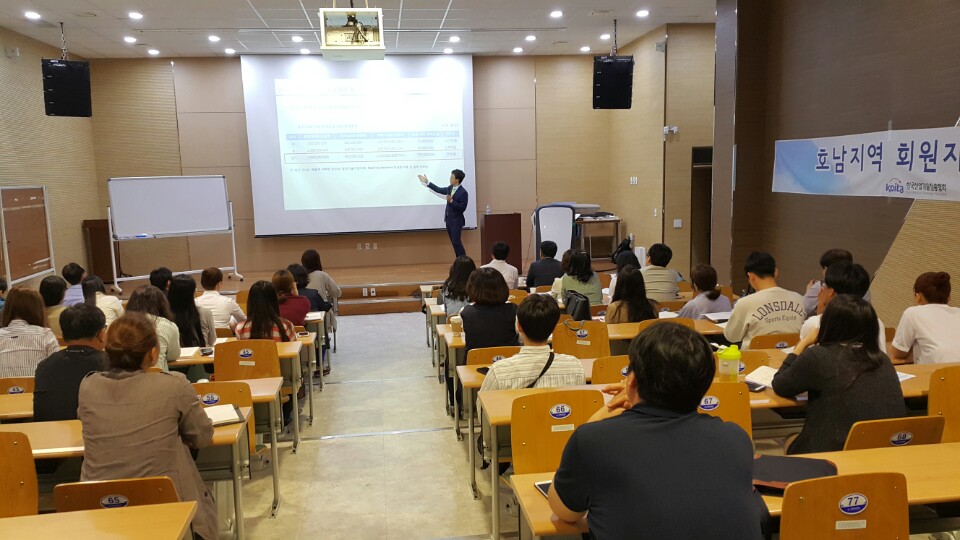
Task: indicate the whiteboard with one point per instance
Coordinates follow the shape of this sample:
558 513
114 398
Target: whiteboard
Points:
168 205
554 222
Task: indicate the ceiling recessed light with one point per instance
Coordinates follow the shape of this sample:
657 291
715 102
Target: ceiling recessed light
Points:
454 39
136 15
585 49
531 38
604 36
448 50
304 51
213 39
518 49
296 39
153 52
229 51
32 15
556 14
643 13
130 39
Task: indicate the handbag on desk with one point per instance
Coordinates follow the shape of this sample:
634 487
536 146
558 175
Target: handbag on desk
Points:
577 306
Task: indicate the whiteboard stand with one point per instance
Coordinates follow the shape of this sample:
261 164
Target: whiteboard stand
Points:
115 245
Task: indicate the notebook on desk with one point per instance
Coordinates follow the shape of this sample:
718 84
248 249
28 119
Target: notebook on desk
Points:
222 415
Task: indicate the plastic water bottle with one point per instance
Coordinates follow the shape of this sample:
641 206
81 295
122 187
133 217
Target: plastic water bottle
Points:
729 364
488 210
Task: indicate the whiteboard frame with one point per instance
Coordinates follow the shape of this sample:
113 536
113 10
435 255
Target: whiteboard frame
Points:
226 194
6 254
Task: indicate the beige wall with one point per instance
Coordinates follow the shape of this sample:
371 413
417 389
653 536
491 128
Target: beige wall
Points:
636 144
56 152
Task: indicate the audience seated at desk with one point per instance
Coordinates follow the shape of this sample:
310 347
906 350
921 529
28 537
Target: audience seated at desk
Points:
58 376
153 303
194 323
499 263
812 294
581 278
623 260
453 293
226 311
321 282
3 292
159 409
490 321
845 374
537 316
842 278
52 290
661 281
660 469
543 272
930 328
293 307
24 339
302 279
770 310
630 302
95 294
73 273
161 278
708 298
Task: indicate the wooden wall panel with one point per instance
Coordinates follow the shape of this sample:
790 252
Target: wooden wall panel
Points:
636 144
689 106
53 151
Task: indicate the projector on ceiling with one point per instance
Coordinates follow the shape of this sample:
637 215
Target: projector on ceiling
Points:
351 34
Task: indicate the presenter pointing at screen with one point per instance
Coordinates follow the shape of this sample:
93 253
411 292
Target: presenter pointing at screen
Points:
456 204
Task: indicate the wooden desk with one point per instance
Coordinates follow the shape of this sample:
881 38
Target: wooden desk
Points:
628 331
436 315
932 472
314 322
16 406
152 522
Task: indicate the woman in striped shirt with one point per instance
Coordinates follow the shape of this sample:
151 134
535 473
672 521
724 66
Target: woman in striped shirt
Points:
263 316
25 339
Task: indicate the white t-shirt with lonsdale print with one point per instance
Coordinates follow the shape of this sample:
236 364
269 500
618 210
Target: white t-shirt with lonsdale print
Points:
770 311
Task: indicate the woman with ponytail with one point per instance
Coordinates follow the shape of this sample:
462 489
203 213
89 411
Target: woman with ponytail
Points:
929 329
708 299
138 424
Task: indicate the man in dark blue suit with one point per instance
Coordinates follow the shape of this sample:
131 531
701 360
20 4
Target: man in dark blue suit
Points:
456 204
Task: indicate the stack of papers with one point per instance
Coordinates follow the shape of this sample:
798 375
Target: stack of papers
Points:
904 376
224 414
222 340
186 352
720 316
762 375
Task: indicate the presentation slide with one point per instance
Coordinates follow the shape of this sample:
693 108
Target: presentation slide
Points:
336 147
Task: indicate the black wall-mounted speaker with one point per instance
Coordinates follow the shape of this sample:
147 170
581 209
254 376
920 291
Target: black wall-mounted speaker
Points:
66 87
612 82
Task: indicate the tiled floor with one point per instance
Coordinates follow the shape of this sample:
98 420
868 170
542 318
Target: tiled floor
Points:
399 473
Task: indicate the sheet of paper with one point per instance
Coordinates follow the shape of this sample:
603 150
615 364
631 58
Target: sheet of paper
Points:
221 340
788 350
186 352
722 324
904 376
718 316
314 316
762 375
223 414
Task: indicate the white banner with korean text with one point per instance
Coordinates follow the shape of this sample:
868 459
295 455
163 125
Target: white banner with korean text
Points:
909 164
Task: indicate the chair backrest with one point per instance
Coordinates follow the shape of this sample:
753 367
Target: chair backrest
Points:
751 360
544 288
517 296
16 385
564 317
541 425
224 332
944 400
684 286
671 305
242 297
912 431
673 320
78 496
18 476
889 333
583 339
729 401
153 369
605 279
727 291
610 369
774 341
246 359
229 393
874 505
598 310
489 355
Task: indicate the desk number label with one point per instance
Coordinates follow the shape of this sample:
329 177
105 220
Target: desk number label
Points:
560 411
781 345
583 342
901 438
15 390
210 399
113 501
498 358
246 363
851 524
625 370
709 403
743 367
582 333
246 353
853 504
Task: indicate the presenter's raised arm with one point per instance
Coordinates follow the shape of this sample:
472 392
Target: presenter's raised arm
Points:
441 190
